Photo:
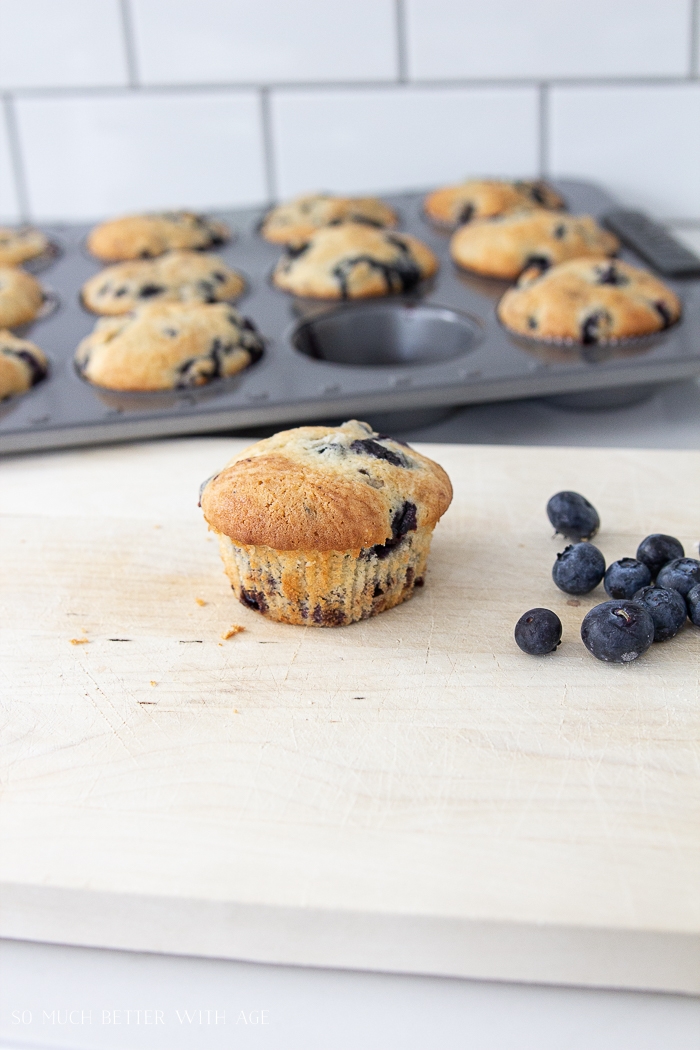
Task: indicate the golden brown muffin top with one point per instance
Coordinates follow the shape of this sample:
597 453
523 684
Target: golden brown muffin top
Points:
485 198
21 297
146 236
177 276
168 346
324 488
19 245
22 364
589 301
354 261
503 247
294 221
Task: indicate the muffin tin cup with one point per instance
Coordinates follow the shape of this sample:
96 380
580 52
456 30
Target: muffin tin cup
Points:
335 359
42 262
388 334
563 350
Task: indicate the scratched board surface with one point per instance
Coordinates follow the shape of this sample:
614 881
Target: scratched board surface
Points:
408 793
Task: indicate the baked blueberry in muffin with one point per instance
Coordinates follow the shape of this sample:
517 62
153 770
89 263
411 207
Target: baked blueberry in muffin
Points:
168 346
588 301
324 526
22 365
296 220
485 198
178 276
146 236
503 247
20 245
21 297
354 261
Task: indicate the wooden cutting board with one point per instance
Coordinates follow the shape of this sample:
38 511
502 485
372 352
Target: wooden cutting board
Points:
410 793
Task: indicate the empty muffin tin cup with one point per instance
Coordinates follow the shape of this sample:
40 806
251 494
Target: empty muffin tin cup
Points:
387 335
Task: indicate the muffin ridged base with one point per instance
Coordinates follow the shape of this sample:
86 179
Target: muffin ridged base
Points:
326 588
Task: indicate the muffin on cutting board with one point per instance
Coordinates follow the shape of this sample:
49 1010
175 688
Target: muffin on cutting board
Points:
324 526
168 346
354 261
177 276
485 198
146 236
296 220
505 246
588 301
22 365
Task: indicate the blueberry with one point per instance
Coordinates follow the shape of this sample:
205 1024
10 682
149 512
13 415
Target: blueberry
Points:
579 568
617 632
658 549
680 574
666 608
624 577
573 516
538 631
693 602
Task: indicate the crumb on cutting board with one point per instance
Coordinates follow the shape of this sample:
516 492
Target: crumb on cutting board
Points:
200 601
79 641
153 683
235 628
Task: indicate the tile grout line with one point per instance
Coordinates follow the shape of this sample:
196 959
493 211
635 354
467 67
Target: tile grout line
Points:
401 41
16 162
343 85
129 43
694 38
543 144
268 145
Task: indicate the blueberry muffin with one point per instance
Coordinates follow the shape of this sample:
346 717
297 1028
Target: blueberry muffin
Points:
354 261
326 525
505 246
168 346
146 236
22 365
18 246
485 198
295 221
588 301
180 276
21 297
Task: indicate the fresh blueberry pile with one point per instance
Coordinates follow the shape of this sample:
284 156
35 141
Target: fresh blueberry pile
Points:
651 595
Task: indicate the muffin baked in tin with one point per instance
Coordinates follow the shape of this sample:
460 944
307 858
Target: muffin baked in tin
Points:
21 297
177 276
354 261
588 301
485 198
503 247
168 346
296 220
21 244
323 526
22 365
146 236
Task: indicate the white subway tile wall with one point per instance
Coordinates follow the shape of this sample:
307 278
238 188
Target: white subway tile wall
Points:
61 43
9 205
113 105
265 41
378 140
548 38
643 142
89 156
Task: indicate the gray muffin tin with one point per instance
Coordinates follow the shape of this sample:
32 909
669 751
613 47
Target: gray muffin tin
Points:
437 347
